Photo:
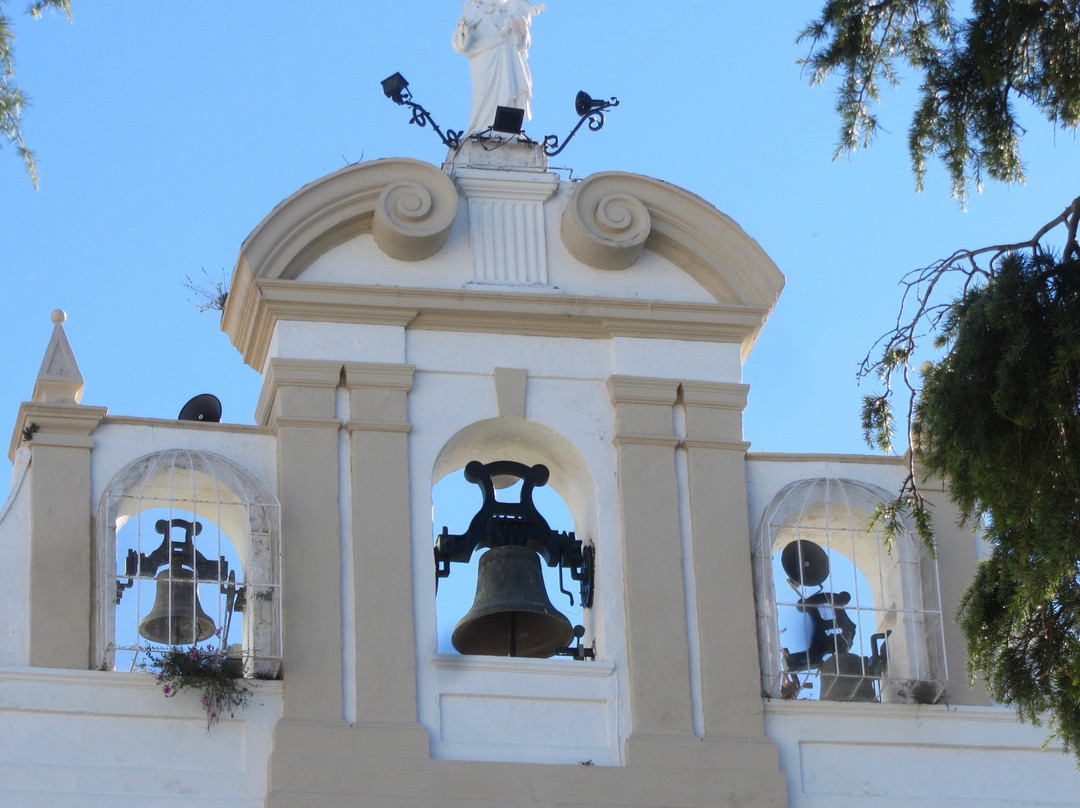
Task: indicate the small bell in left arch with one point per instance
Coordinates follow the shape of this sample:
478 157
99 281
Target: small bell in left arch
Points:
177 617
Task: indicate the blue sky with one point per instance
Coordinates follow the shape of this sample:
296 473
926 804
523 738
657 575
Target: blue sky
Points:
164 135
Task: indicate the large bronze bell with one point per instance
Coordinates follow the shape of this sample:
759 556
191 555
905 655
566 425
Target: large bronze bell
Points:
511 614
177 617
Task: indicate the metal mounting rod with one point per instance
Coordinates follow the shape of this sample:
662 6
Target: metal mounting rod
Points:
590 110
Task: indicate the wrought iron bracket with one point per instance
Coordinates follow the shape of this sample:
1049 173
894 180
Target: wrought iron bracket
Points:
578 651
593 115
422 118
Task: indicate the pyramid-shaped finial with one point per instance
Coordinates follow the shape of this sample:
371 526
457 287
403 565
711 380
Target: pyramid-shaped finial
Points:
59 379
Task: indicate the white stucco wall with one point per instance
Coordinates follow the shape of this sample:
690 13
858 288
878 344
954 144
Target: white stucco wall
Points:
90 739
931 756
15 550
119 441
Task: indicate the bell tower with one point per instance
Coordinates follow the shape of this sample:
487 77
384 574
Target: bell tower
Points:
492 318
495 319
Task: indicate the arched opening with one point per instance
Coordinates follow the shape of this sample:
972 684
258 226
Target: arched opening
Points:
842 616
565 501
454 503
188 553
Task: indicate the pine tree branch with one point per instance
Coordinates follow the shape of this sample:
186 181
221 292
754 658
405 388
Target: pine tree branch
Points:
12 99
971 73
919 318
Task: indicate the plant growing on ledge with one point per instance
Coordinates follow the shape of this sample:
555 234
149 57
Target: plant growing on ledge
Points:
201 669
211 295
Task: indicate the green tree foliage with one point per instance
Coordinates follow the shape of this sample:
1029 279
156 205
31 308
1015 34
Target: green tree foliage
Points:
12 98
972 72
999 417
923 313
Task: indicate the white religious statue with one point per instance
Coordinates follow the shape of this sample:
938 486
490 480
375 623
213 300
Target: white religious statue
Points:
494 34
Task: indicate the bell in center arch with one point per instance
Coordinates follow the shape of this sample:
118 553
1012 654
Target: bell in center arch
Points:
511 614
177 617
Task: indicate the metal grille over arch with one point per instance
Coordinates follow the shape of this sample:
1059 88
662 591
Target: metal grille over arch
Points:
841 616
198 536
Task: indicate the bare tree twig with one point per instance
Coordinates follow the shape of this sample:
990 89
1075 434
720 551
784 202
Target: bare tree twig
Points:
919 316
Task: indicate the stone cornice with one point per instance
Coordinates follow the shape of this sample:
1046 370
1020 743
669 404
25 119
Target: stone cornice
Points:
374 374
303 372
858 459
279 373
57 425
643 411
868 714
377 426
484 311
504 184
305 423
643 390
717 395
668 441
522 665
719 445
171 423
111 694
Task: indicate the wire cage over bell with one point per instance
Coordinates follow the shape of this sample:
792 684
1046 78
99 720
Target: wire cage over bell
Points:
511 613
188 552
841 616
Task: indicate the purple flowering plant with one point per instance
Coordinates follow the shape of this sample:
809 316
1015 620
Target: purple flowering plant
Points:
198 668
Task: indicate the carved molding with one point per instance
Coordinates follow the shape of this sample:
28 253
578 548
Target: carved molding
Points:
265 303
507 232
605 230
413 217
70 425
407 205
612 216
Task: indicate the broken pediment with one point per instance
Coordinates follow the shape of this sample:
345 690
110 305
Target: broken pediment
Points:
500 250
614 216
